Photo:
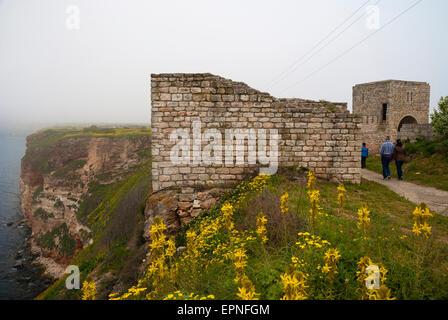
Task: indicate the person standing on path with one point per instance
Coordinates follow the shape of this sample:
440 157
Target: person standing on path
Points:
386 151
364 155
400 157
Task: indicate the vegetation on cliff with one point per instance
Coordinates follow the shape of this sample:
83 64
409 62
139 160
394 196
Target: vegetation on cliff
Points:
40 144
260 242
88 186
114 212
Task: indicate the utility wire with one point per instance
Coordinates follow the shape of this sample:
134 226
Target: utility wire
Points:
326 45
354 46
315 46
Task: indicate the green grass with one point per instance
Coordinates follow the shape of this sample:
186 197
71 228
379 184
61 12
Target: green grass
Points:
69 169
60 239
390 242
43 214
391 218
427 166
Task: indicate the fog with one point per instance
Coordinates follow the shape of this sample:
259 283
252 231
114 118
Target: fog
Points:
90 61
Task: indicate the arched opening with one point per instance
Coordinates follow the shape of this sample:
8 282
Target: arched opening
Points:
405 120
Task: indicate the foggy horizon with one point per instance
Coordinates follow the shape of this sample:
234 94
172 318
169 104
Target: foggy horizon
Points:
99 73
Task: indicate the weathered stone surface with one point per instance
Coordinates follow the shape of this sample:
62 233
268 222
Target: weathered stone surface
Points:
165 205
176 213
405 101
313 134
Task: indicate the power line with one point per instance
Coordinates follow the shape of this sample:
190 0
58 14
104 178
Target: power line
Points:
316 45
354 46
326 45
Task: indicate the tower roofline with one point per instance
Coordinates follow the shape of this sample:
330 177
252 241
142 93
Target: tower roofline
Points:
391 80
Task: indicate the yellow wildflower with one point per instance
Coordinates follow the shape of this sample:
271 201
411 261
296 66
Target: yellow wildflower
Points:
284 203
88 290
363 218
421 215
294 284
261 227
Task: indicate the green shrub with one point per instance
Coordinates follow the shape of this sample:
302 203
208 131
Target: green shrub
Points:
43 214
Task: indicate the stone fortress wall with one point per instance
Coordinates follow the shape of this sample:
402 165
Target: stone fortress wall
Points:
414 131
387 108
321 136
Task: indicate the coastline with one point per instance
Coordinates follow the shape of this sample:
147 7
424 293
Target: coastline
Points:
20 277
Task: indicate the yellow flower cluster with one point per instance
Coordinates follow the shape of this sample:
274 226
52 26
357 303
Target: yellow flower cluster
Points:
383 293
158 237
256 184
284 203
297 263
133 292
421 215
161 270
294 284
214 240
330 268
240 259
177 295
261 231
311 179
88 290
227 215
341 195
315 209
246 290
363 219
308 240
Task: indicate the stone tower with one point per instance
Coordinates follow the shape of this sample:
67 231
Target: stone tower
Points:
388 107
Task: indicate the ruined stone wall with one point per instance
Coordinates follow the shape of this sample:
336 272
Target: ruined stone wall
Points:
414 131
403 99
321 136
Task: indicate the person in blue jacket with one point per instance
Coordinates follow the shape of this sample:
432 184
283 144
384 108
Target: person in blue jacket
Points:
386 151
364 155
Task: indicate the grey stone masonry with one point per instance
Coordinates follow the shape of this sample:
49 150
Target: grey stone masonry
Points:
321 136
385 106
414 131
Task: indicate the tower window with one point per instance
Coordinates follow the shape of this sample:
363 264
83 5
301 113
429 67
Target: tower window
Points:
384 111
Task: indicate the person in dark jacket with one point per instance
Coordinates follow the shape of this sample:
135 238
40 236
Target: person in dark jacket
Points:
399 157
364 155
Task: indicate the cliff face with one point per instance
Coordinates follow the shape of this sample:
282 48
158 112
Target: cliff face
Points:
59 171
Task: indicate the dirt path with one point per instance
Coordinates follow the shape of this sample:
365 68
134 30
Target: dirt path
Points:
436 199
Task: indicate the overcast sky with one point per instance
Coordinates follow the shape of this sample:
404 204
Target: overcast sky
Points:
51 71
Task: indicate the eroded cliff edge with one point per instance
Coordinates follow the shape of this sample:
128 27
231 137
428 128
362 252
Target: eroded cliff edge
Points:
66 175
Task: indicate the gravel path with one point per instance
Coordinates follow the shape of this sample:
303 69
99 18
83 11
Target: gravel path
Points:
436 199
